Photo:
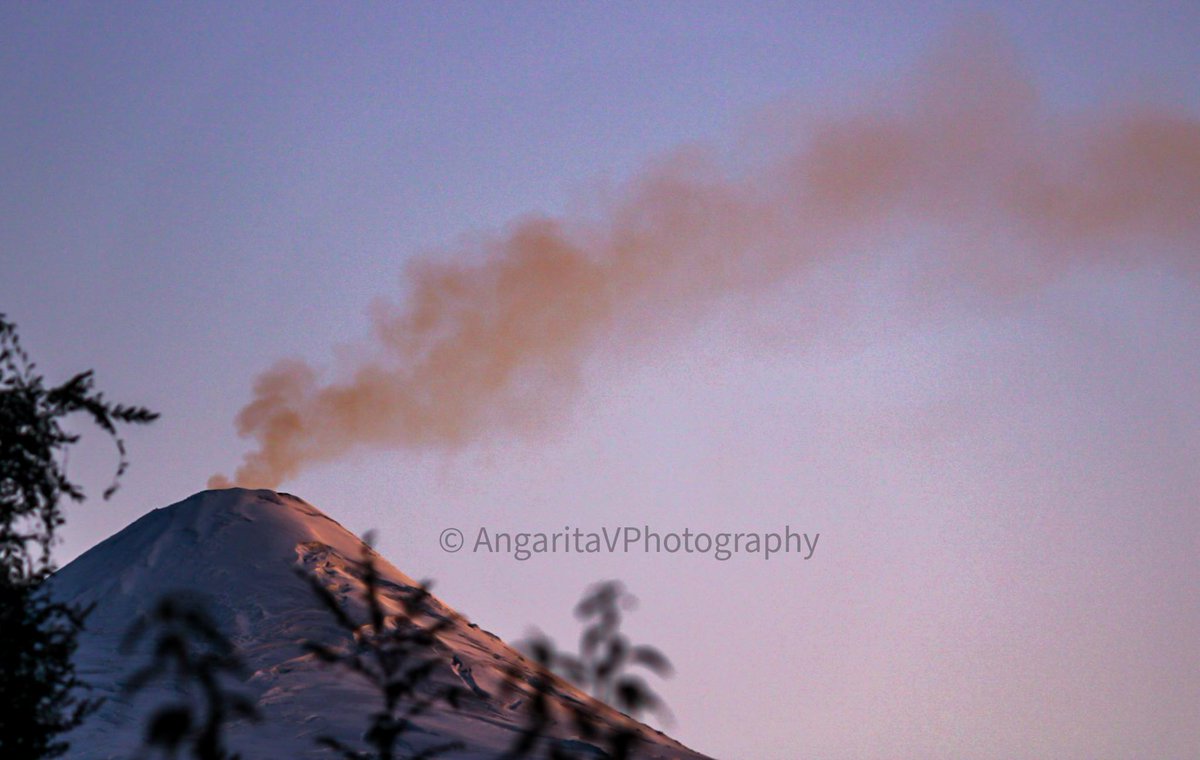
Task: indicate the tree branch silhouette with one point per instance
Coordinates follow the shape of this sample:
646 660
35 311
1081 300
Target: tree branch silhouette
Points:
41 695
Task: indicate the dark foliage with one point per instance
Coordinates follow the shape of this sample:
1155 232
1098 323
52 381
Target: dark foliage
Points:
38 687
396 654
605 667
33 482
190 653
40 693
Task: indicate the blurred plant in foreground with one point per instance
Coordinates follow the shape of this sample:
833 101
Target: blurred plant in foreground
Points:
396 654
605 667
190 653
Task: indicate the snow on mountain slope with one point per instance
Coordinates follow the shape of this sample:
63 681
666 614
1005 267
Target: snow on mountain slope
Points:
240 549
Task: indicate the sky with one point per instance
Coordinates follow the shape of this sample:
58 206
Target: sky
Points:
956 337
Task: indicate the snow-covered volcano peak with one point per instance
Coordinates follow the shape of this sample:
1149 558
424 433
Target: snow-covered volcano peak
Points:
223 543
245 553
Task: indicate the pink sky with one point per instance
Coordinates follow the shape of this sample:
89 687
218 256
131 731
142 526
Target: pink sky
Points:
983 399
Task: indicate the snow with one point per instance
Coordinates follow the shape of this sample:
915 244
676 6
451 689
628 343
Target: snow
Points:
240 550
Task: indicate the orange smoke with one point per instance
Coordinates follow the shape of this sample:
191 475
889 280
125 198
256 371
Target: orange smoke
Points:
964 162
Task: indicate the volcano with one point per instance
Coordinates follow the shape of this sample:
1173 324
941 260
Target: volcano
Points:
240 550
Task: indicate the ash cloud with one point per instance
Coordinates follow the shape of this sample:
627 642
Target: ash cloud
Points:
962 162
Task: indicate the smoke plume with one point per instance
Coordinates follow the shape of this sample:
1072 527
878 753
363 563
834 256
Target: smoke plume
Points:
961 162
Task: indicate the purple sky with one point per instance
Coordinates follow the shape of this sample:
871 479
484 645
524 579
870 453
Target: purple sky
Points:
1006 490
